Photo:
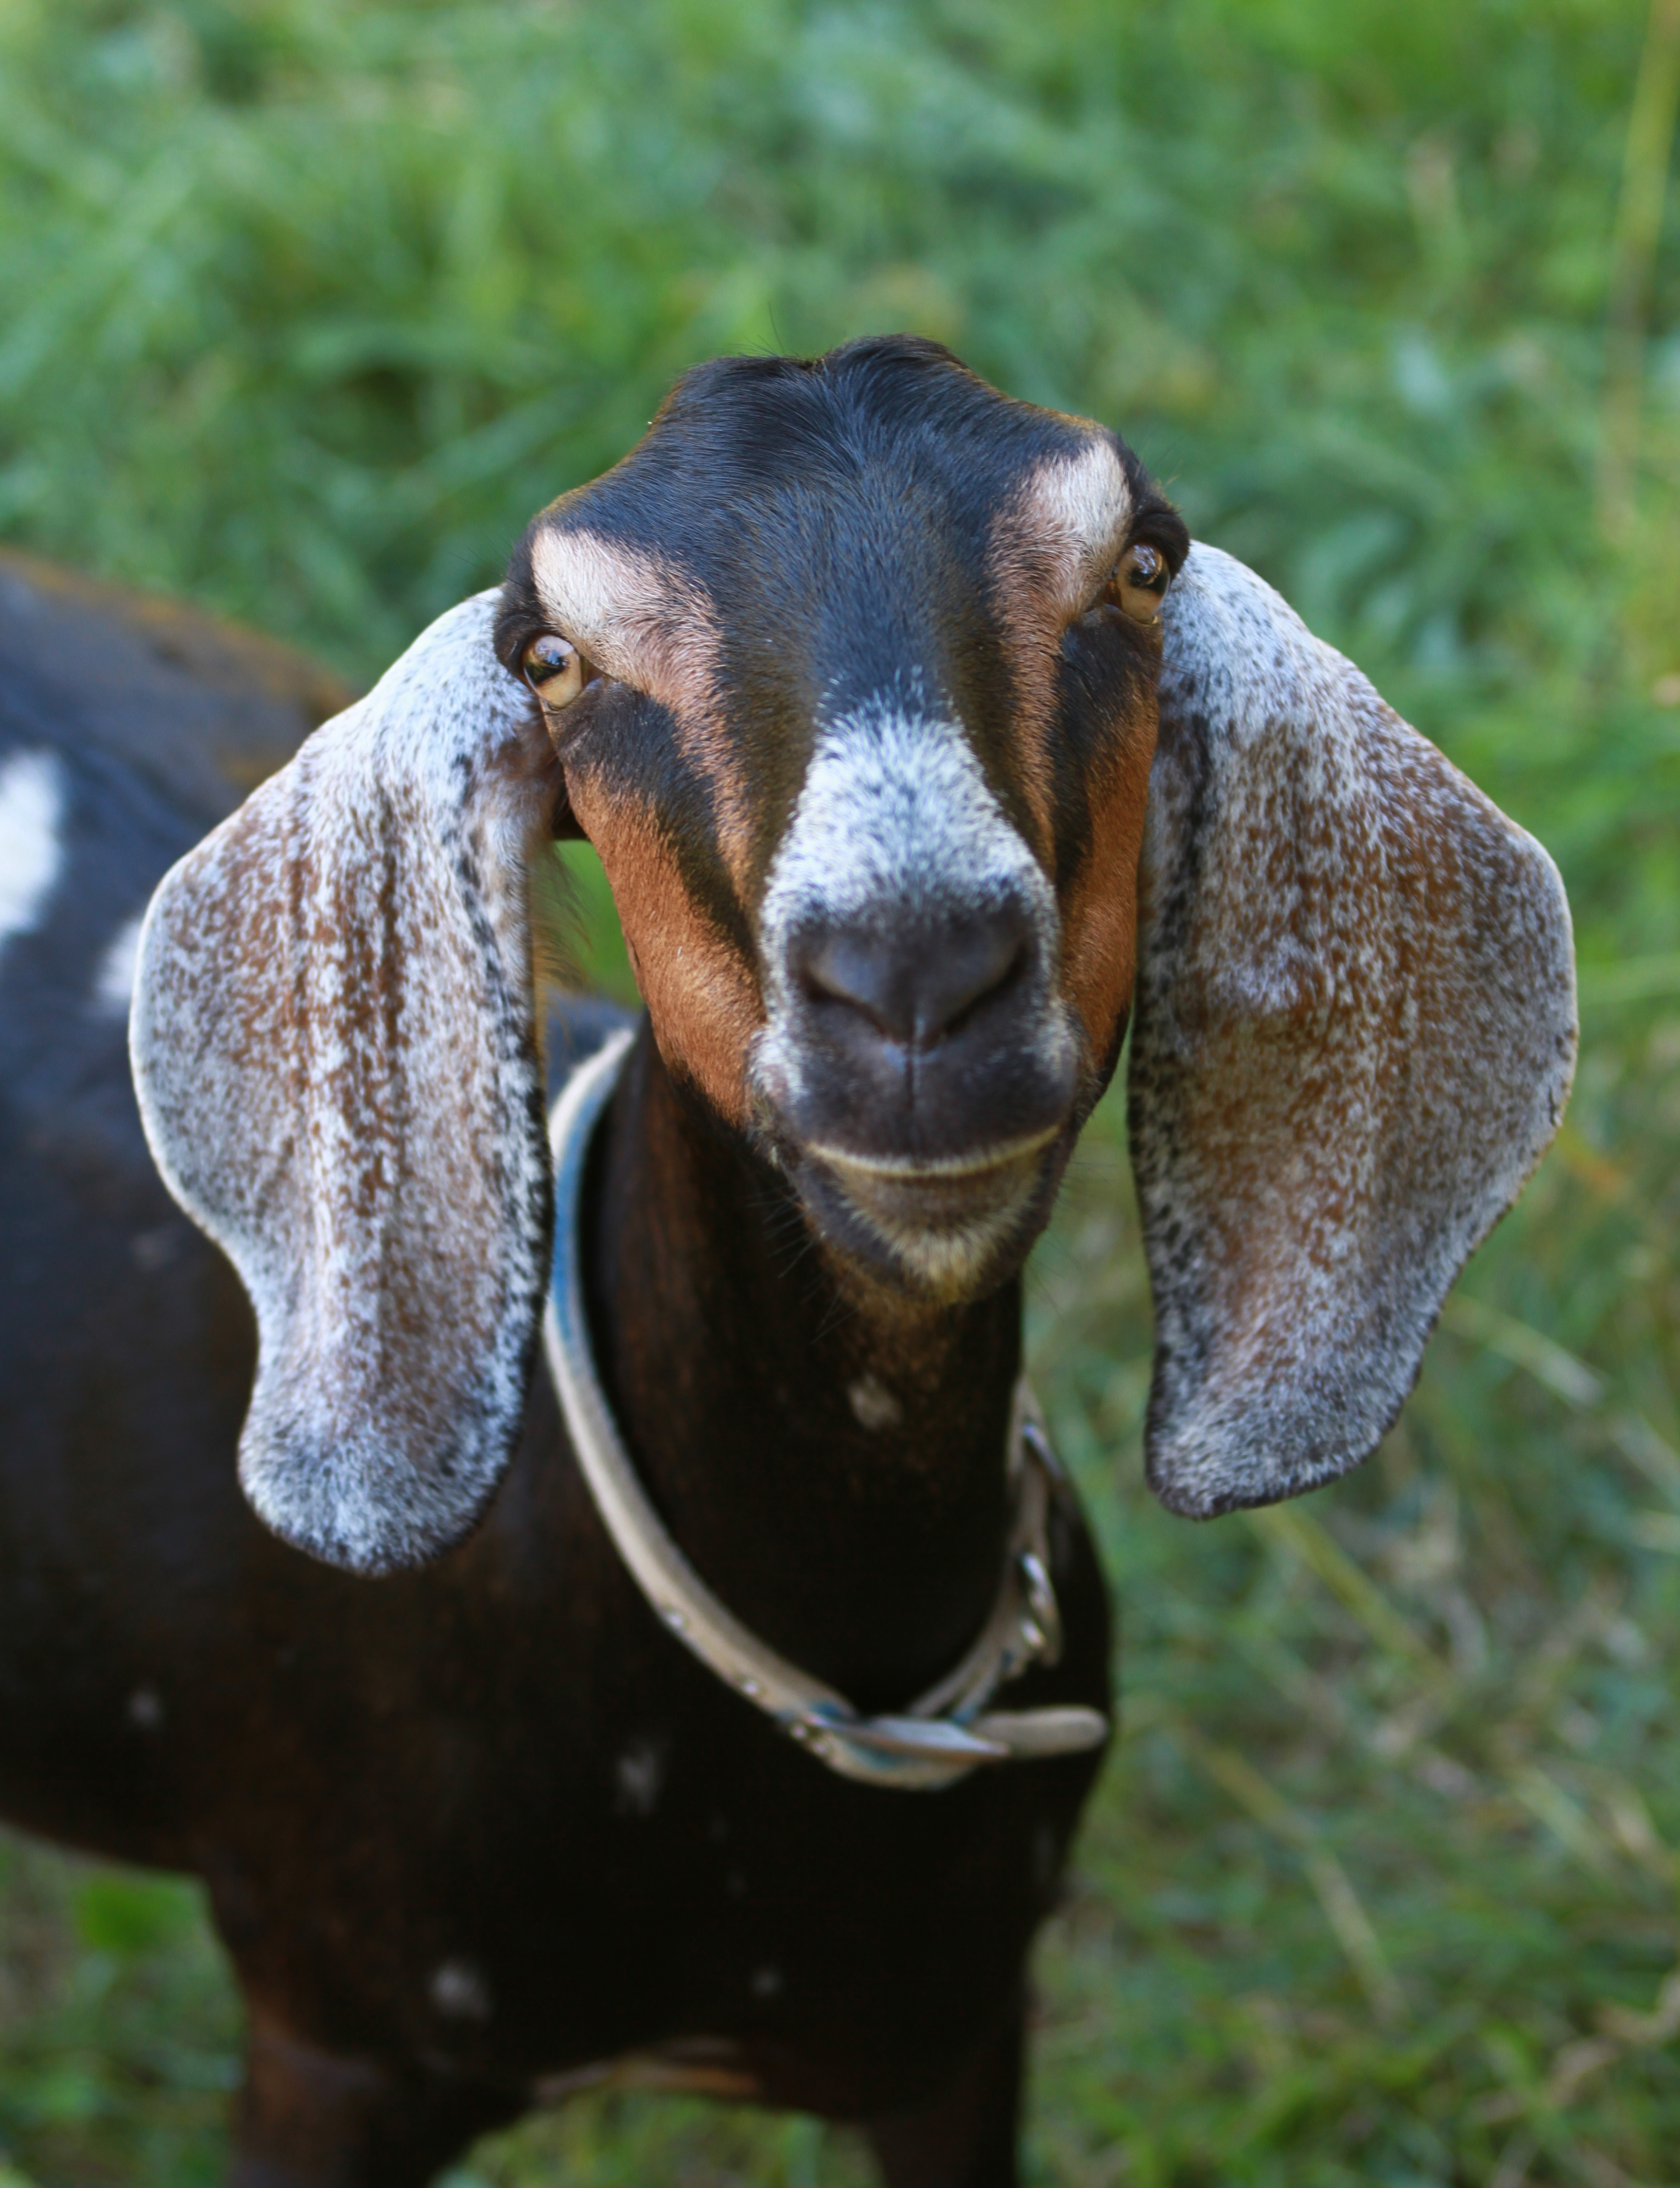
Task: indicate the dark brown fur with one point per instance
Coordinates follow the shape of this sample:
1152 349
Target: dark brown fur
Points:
471 1831
483 1829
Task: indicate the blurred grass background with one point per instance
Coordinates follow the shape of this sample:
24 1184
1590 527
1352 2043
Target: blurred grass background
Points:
305 305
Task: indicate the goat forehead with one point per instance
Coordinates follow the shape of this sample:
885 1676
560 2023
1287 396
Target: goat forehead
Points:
762 619
687 552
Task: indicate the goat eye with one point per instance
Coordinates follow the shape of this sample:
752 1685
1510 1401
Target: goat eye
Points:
1141 582
554 668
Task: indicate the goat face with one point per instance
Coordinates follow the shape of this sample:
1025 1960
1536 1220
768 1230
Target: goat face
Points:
861 728
852 672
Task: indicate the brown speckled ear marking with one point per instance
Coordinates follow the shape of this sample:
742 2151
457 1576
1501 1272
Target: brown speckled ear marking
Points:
333 1045
1355 1034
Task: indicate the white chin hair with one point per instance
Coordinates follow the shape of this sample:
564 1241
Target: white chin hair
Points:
948 1259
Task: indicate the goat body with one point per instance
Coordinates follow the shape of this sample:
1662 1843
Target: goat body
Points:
853 669
474 1834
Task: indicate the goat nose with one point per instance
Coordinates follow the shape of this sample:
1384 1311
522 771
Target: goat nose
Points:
916 982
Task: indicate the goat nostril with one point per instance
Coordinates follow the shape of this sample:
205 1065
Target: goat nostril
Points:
849 971
916 983
989 989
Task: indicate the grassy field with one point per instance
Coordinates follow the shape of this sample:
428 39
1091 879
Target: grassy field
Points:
303 308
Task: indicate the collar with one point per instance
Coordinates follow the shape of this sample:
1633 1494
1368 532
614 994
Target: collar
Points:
946 1732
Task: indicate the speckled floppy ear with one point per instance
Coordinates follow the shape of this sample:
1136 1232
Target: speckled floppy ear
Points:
332 1040
1353 1036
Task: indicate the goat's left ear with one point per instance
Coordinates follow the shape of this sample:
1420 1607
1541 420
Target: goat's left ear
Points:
332 1044
1353 1036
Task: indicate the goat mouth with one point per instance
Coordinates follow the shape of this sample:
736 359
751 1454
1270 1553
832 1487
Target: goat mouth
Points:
909 1171
941 1229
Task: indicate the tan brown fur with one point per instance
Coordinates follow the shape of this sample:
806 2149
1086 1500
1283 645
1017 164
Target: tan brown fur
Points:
1099 913
701 996
1050 550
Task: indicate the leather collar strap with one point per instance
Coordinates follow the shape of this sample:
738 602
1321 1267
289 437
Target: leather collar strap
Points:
947 1732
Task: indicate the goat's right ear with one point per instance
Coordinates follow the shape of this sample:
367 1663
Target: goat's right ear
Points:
334 1047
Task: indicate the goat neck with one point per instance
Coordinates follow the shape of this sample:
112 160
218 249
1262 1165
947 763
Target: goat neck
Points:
834 1471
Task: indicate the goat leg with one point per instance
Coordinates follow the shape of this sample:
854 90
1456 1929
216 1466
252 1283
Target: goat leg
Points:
965 2136
308 2119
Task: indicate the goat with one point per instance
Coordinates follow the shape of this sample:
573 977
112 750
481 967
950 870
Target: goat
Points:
922 750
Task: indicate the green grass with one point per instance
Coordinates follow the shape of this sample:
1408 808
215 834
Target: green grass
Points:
304 307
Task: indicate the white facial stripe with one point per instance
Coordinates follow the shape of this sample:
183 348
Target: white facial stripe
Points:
895 811
894 815
31 850
632 614
1079 507
113 983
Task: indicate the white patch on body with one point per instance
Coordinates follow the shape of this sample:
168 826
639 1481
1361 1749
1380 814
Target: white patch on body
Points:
145 1711
459 1991
873 1405
31 848
639 1777
766 1982
114 982
154 1250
